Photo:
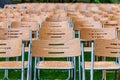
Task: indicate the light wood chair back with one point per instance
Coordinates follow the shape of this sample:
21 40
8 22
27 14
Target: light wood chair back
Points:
14 33
56 33
56 48
97 33
58 18
29 25
10 48
109 23
107 48
63 24
78 25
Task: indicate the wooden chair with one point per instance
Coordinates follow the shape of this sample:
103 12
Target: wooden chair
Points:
13 48
104 48
91 34
55 49
56 31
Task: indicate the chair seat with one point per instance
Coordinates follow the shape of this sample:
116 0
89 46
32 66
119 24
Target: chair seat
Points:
55 65
88 49
102 65
12 65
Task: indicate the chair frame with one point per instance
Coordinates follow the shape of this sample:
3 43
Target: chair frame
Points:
36 59
22 68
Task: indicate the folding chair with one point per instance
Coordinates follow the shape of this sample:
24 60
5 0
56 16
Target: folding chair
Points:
56 31
91 34
55 49
16 33
13 48
104 48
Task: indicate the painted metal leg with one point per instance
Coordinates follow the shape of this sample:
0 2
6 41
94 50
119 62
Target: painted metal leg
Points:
69 73
72 74
22 62
79 63
38 69
35 69
29 72
74 68
92 62
30 66
6 70
103 73
83 64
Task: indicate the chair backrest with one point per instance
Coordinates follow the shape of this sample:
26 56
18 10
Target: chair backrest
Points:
78 25
55 24
56 33
10 48
107 48
97 33
14 33
57 19
114 24
56 48
29 25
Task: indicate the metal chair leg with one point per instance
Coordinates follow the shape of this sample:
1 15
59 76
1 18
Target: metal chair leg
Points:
69 73
22 62
79 63
6 70
35 69
74 68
